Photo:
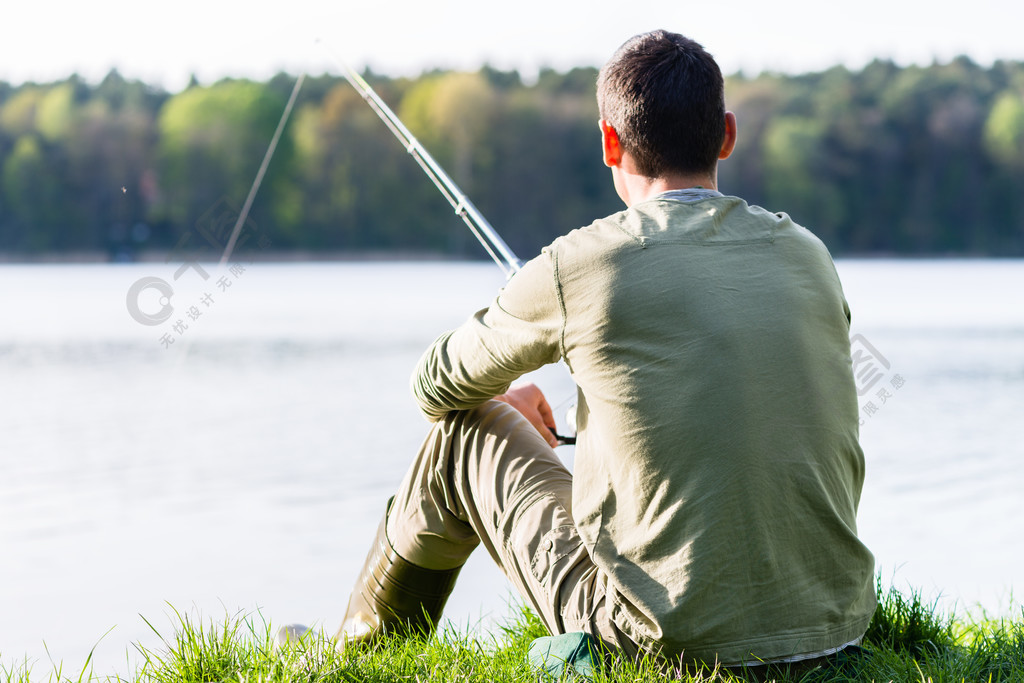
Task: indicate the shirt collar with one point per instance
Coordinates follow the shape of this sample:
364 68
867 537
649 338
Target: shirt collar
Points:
689 194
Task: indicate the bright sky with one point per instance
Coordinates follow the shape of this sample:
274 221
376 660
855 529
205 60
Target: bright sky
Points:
163 43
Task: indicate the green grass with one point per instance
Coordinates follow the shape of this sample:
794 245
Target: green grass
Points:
909 640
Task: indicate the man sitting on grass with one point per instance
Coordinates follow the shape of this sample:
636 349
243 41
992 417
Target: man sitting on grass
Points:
711 515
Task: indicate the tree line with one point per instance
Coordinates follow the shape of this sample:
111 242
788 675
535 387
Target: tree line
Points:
883 160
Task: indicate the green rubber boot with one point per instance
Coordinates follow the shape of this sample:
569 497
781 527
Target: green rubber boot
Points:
393 595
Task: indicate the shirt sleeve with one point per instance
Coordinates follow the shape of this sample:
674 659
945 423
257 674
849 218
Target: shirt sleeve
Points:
518 333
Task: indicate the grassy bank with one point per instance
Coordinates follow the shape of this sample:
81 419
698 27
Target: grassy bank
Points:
909 640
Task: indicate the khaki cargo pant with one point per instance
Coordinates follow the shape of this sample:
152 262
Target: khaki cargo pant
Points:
486 476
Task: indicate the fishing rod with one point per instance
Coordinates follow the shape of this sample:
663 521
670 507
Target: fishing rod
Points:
506 259
243 215
254 188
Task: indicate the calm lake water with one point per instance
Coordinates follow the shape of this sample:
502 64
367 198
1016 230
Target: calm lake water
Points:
240 465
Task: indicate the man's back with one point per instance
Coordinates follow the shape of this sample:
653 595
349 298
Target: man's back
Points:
718 470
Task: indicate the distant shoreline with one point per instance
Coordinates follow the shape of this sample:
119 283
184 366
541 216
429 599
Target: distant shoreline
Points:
411 256
294 256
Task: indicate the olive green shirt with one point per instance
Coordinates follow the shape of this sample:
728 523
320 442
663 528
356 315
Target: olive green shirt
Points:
717 470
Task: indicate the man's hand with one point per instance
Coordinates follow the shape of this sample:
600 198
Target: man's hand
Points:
528 400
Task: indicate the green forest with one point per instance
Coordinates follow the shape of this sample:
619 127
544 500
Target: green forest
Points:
886 160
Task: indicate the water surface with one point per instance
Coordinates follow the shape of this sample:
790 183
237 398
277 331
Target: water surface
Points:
243 468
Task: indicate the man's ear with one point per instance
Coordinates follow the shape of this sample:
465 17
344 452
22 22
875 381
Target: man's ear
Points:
729 142
610 146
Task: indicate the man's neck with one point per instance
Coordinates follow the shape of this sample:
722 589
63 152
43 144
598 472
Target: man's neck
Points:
634 188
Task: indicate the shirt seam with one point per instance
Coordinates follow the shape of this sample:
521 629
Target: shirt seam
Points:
561 306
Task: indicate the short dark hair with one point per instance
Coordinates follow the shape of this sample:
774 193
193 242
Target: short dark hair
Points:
665 97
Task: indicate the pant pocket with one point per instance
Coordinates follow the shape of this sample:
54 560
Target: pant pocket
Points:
544 538
558 545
